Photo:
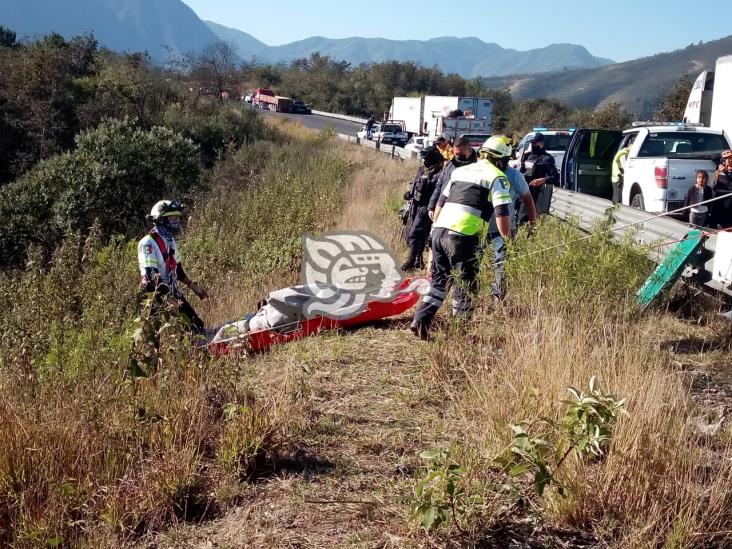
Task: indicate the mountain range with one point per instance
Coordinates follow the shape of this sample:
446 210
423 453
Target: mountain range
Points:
121 25
469 57
637 85
160 26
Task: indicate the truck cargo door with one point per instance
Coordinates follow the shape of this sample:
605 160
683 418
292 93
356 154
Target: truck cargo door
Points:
586 167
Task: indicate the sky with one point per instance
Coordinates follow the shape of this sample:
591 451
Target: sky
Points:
617 29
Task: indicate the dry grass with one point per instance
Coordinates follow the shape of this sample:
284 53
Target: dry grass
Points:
313 444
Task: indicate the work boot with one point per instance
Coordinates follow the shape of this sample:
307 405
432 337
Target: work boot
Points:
421 330
419 262
408 265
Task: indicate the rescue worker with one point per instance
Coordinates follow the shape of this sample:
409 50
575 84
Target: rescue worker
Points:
420 191
540 170
443 147
161 265
618 171
722 209
473 194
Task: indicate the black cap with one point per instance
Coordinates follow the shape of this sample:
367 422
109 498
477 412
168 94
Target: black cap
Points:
538 138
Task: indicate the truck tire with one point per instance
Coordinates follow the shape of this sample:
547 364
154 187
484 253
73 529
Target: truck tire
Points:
637 202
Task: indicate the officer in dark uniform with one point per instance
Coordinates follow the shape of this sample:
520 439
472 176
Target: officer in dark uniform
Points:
419 194
540 171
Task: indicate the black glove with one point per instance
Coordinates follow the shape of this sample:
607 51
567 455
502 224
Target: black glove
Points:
261 303
407 196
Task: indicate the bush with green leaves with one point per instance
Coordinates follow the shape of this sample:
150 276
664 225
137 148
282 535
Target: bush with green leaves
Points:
112 177
542 445
216 131
440 494
564 269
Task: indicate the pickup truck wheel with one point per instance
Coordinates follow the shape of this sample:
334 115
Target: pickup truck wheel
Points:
638 202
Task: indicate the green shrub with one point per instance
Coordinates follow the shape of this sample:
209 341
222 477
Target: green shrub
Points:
116 172
215 132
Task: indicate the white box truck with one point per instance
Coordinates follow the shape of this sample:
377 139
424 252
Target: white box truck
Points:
709 101
408 109
437 105
420 114
722 96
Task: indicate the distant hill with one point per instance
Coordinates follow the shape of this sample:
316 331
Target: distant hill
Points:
122 25
638 85
477 58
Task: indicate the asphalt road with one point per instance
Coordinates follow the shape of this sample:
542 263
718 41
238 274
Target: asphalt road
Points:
316 122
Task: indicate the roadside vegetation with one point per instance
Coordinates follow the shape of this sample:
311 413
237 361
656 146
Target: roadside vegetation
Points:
358 438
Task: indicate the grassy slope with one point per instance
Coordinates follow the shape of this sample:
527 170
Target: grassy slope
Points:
313 444
372 399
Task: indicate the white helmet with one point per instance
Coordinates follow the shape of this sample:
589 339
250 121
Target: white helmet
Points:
497 146
167 213
165 208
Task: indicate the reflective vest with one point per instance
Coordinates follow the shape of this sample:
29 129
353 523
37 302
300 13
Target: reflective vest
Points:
471 196
154 252
618 167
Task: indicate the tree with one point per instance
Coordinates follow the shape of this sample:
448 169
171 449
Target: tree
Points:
214 68
111 178
536 112
132 86
7 37
673 105
502 106
40 94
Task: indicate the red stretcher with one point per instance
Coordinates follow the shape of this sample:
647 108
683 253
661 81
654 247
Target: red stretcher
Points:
375 310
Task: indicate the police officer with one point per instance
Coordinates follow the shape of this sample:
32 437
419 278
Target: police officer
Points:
161 265
540 170
419 194
474 193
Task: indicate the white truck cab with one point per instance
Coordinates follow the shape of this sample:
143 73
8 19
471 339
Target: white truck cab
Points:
661 165
556 142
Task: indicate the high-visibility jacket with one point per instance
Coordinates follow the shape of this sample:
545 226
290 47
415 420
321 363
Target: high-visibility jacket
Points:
618 168
160 253
470 197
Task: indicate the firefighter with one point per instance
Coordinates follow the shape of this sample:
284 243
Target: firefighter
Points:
474 193
419 222
161 265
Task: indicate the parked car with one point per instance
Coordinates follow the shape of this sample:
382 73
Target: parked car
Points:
299 107
362 134
248 98
417 143
660 168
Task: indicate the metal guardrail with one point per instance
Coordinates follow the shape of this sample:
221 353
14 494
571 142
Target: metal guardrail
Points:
341 117
392 150
588 210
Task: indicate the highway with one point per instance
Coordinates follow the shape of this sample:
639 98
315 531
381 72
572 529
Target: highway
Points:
316 122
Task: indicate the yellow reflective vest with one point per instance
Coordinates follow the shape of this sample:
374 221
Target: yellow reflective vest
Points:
471 195
619 164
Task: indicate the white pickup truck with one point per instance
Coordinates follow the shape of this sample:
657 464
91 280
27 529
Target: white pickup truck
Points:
660 168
